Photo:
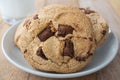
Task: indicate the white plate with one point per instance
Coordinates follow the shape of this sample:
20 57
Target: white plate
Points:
103 56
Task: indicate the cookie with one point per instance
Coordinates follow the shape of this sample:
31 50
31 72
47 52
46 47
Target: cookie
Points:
57 39
100 27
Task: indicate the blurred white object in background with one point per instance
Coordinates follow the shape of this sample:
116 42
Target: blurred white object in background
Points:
86 4
14 10
63 2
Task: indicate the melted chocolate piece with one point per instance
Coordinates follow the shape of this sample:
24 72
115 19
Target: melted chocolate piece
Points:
91 39
25 51
41 54
90 54
81 58
45 34
87 11
82 8
68 49
84 38
63 30
104 32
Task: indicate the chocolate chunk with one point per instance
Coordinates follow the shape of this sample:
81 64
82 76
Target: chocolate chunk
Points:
82 8
35 17
84 38
91 39
89 51
90 54
89 11
104 32
68 49
45 34
81 58
25 51
63 30
41 54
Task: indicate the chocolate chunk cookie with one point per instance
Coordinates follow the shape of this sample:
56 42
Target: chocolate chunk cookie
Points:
57 39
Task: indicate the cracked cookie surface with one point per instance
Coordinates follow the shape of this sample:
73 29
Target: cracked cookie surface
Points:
100 27
57 39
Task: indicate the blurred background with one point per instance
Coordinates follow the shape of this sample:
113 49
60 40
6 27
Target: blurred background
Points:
14 10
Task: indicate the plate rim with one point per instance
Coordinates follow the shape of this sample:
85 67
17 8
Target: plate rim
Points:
52 75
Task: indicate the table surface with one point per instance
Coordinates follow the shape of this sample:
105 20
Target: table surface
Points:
109 9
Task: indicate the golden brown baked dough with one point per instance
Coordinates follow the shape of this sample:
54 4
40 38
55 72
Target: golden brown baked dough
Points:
57 39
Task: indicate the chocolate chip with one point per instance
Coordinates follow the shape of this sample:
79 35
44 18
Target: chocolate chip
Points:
84 38
95 40
90 54
104 32
81 58
82 8
35 17
89 11
63 30
41 54
68 49
25 51
45 34
91 39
